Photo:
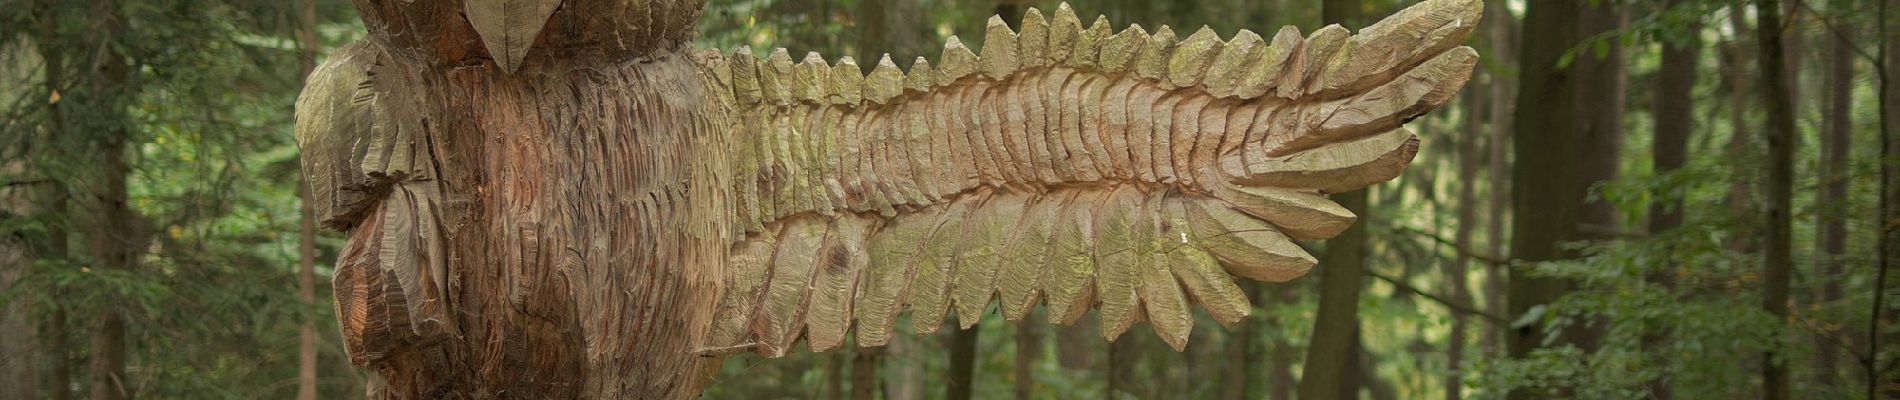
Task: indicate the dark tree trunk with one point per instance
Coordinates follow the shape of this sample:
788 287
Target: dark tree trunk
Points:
1238 367
1545 186
1777 262
19 331
959 384
1673 108
1600 82
1831 201
113 240
1341 276
864 379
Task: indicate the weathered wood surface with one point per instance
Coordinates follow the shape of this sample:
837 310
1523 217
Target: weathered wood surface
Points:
604 213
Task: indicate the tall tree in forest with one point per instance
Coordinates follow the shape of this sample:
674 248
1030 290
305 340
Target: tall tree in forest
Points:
1887 225
1341 277
1674 106
1831 200
1600 87
1500 31
1545 191
307 228
113 238
1457 273
1777 263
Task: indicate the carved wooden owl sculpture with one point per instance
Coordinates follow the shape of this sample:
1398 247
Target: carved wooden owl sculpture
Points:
563 199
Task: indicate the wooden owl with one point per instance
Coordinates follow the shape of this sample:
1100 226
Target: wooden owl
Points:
564 199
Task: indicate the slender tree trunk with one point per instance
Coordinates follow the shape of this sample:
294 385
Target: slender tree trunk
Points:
864 379
113 244
1739 200
1545 178
1887 226
111 248
1674 121
1457 273
1500 35
962 344
1831 200
1028 353
307 232
1777 263
1239 354
1341 276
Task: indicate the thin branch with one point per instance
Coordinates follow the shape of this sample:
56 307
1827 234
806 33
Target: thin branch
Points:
1455 306
1449 243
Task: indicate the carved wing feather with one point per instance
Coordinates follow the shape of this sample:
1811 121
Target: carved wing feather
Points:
1080 168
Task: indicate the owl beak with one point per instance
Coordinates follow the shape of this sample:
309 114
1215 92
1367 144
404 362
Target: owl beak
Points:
508 27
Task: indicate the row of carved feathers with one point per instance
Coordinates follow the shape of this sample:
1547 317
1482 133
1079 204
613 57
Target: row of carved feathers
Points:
1137 249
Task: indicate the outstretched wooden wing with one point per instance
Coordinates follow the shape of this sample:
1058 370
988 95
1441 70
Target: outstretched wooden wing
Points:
1075 167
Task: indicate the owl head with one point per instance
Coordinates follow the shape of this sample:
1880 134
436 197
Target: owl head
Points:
513 33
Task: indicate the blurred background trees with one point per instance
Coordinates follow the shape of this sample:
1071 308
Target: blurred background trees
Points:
1632 199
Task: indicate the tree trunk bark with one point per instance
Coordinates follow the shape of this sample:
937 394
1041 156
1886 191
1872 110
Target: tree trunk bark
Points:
1674 123
864 378
1496 283
1831 201
1028 352
1457 273
307 229
113 242
1237 370
959 383
1600 87
1777 262
1740 200
1341 275
1545 179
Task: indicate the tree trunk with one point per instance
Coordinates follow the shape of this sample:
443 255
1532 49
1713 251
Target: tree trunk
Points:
1457 273
864 378
1600 82
1238 367
960 381
1028 353
1674 107
1341 275
1499 33
1777 262
113 242
1740 201
1831 201
1545 188
307 230
1887 226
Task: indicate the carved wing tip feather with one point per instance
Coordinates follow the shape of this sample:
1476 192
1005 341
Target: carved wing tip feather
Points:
1331 63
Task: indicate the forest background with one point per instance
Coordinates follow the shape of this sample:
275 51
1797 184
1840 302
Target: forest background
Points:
1632 199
